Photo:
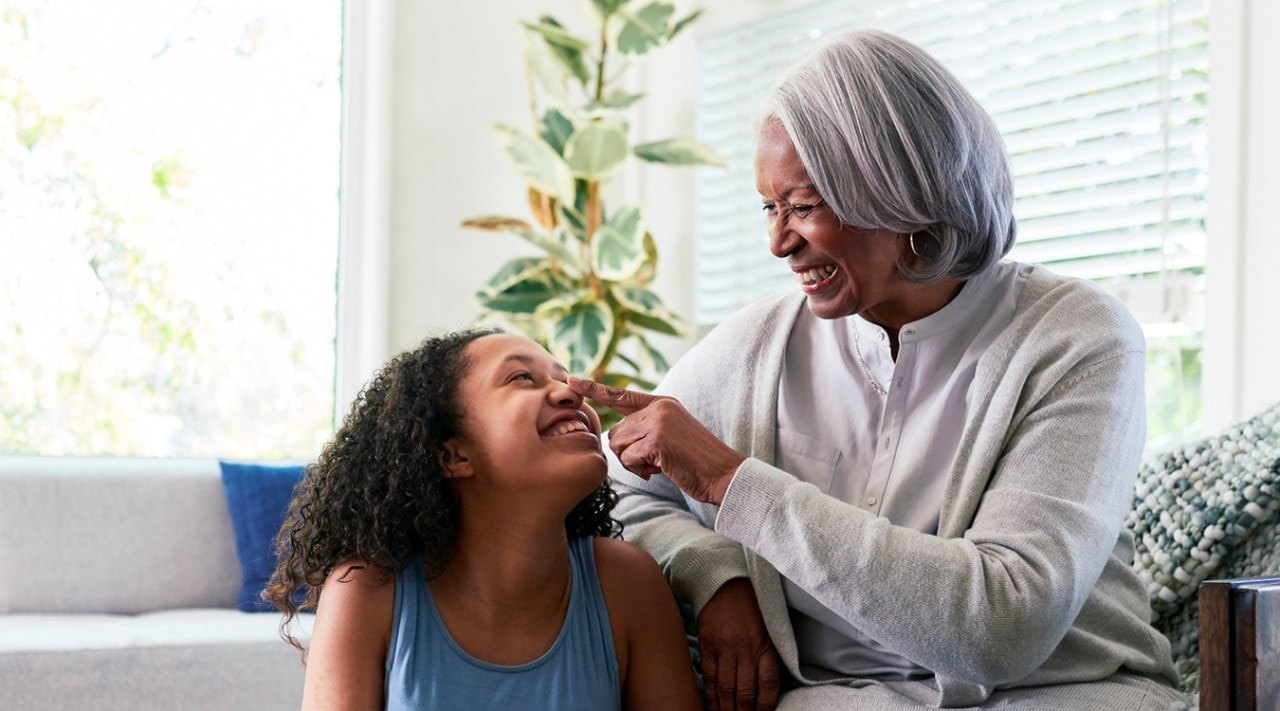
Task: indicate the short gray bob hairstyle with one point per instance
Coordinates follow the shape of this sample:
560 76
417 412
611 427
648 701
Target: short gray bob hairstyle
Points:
892 140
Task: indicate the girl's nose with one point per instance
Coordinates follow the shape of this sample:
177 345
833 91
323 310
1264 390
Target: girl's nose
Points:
563 396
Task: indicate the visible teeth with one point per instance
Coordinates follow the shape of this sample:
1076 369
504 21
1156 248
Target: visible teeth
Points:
815 275
565 428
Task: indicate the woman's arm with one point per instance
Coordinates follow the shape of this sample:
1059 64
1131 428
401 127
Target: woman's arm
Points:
346 659
654 666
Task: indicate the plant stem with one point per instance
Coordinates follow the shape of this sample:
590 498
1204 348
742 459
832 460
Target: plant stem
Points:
604 50
590 227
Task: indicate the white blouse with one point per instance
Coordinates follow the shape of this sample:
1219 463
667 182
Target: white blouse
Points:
887 454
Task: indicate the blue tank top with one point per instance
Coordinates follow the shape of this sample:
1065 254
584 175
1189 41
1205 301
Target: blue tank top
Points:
426 669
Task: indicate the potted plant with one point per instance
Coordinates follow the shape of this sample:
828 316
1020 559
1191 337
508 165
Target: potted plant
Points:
587 296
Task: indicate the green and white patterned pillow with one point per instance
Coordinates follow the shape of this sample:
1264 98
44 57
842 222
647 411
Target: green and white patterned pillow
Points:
1207 509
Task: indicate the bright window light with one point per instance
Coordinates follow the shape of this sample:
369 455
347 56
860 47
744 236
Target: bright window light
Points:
169 226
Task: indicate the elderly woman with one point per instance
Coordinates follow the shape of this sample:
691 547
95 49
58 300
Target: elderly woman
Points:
903 484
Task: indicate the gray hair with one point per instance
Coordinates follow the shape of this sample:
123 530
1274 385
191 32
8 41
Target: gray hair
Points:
892 140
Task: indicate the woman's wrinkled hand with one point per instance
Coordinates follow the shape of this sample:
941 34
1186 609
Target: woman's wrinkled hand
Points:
658 434
741 670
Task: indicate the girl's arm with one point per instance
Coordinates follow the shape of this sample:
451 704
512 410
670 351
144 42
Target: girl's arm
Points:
347 656
653 654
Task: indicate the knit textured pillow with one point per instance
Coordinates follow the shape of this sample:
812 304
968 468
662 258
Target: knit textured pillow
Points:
1207 509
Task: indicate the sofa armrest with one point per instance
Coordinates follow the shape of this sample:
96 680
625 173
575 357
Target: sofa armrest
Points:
1240 644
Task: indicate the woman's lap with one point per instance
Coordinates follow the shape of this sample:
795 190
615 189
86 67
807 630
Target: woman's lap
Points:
1120 691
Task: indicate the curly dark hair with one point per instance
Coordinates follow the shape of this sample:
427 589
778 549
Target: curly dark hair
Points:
378 493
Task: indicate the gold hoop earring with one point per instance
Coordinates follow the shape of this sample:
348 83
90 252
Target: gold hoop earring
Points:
911 240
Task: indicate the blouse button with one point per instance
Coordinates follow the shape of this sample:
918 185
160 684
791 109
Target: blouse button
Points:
871 501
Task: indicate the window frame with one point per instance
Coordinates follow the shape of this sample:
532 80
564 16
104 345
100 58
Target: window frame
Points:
1242 344
365 206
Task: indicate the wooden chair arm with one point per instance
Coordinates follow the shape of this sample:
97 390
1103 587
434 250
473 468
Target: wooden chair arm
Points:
1240 644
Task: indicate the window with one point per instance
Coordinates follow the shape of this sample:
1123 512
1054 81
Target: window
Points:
1103 106
169 179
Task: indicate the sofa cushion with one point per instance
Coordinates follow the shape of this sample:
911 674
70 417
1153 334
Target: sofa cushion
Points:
258 498
194 660
108 535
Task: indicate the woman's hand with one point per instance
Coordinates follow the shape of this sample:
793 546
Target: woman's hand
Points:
741 669
659 435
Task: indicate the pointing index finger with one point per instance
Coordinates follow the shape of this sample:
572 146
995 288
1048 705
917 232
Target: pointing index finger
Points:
623 400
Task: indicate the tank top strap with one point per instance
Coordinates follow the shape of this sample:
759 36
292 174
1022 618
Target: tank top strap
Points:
593 629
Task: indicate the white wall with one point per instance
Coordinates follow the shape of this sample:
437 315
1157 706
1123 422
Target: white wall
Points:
456 69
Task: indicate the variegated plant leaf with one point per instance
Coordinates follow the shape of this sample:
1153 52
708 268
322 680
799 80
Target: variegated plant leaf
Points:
566 48
595 151
580 337
617 248
571 223
556 34
652 355
606 8
678 151
545 68
645 309
554 308
538 163
496 223
525 231
616 100
649 267
683 23
521 286
556 129
645 28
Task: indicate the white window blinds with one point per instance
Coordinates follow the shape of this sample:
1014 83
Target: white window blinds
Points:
1102 103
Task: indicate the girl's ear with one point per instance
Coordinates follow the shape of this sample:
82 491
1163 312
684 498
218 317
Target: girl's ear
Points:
455 461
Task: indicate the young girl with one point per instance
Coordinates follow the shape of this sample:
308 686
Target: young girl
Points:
455 538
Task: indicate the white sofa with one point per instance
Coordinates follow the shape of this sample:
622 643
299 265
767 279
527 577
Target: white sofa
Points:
118 583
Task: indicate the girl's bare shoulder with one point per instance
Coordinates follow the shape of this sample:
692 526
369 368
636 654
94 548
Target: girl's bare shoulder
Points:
627 572
354 582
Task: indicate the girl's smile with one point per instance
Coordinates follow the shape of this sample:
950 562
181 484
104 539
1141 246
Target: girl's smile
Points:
523 429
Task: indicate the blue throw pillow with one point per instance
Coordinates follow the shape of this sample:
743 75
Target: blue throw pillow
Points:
258 498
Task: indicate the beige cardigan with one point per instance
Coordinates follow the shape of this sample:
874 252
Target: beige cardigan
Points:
1028 580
